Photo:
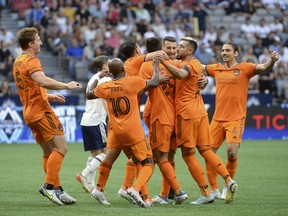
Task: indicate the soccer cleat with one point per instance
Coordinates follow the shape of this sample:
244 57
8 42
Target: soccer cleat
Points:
224 193
100 196
50 194
136 196
158 199
232 187
83 182
216 194
178 199
64 197
171 194
123 194
203 200
148 202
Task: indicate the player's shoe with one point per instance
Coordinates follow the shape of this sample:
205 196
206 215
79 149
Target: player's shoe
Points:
100 196
178 199
159 200
203 200
224 193
83 181
64 197
50 194
232 187
148 202
171 194
136 196
123 194
216 194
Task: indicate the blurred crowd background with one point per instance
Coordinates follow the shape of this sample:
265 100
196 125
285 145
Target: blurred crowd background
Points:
73 32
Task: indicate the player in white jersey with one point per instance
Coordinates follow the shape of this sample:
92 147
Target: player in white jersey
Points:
94 128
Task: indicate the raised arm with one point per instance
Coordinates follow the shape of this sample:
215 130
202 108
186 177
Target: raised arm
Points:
154 81
179 73
90 88
261 68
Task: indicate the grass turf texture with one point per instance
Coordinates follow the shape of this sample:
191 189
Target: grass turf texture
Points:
262 177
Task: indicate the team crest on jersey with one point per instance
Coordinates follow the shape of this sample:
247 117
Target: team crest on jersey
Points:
236 72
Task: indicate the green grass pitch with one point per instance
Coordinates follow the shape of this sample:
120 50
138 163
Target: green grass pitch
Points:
262 177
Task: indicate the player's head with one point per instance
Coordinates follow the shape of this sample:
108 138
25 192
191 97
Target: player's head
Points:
116 66
130 48
28 37
100 61
229 51
169 46
153 44
187 47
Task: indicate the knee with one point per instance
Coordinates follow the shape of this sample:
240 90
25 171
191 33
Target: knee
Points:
231 155
203 149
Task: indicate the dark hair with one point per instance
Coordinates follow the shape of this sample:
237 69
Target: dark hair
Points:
127 48
234 46
169 38
153 44
192 42
99 61
25 36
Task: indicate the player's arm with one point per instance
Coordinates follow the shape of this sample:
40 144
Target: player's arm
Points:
152 55
154 81
56 98
261 68
49 83
179 73
90 88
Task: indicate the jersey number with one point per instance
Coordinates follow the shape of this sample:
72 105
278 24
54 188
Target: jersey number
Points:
19 81
116 106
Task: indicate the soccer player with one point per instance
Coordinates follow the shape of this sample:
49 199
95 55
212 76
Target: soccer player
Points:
94 128
161 123
232 79
32 85
125 130
192 123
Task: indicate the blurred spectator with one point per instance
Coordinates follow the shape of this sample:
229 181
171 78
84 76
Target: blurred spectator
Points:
258 48
250 7
36 15
283 54
210 35
125 27
281 79
126 12
82 11
142 14
199 12
262 30
168 31
5 89
113 14
276 26
223 34
69 11
235 7
249 56
6 59
44 23
248 30
141 26
95 9
202 55
158 25
149 32
73 54
7 37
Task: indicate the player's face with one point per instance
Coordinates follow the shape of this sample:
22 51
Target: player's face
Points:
183 49
228 54
36 44
170 48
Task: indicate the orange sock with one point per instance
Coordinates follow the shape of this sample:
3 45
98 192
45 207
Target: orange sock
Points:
103 175
217 164
53 167
169 174
143 176
196 171
212 176
44 163
129 175
231 166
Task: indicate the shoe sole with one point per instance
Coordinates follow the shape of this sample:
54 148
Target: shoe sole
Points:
99 200
140 203
231 193
179 200
79 179
129 199
202 203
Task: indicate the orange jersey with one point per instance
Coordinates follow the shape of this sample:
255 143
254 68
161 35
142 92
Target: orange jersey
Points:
122 99
132 65
231 90
33 97
162 97
188 101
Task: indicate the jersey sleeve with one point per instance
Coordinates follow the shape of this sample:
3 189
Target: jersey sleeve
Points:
99 91
139 83
145 70
34 65
211 69
250 69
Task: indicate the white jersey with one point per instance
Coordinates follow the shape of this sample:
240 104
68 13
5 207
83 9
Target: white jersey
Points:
94 111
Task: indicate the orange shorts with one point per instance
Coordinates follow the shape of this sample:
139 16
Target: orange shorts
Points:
232 131
160 136
44 129
173 144
193 132
140 150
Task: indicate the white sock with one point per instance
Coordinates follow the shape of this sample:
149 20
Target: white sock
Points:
93 165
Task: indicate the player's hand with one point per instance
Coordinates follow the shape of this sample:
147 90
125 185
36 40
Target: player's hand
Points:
273 55
73 85
202 82
163 78
56 98
103 73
